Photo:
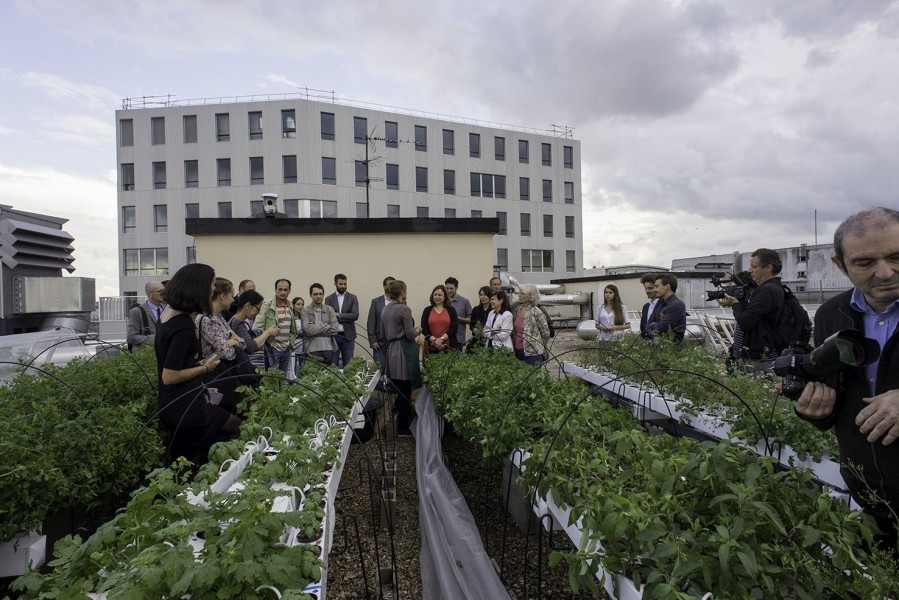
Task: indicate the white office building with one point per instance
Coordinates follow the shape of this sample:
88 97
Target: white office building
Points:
215 158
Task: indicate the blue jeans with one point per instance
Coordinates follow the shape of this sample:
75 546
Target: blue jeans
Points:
279 359
345 348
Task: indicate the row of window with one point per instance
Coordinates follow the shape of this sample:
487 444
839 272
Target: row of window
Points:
155 261
481 184
361 135
327 209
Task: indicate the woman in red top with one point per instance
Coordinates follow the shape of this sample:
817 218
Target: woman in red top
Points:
439 322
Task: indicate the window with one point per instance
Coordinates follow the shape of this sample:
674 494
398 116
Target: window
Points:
129 219
126 128
449 141
800 288
536 261
393 176
393 211
255 121
256 207
499 186
502 259
190 129
224 210
547 190
191 255
157 131
322 209
475 184
360 129
499 148
501 217
524 188
223 166
292 208
525 224
569 261
486 185
547 226
289 166
257 170
569 226
474 145
391 134
476 214
569 192
327 126
449 213
222 127
191 174
568 157
146 261
159 175
449 182
800 274
192 210
127 176
421 179
360 173
547 154
361 210
289 123
421 138
523 152
329 170
422 212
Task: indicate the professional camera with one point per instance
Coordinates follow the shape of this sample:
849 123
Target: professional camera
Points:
799 363
742 283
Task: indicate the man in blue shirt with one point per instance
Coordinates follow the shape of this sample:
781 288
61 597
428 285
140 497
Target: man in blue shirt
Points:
862 403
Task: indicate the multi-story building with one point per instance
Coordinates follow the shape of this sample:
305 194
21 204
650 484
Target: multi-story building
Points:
331 159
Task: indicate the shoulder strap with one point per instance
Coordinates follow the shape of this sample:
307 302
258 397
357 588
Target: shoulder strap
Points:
145 320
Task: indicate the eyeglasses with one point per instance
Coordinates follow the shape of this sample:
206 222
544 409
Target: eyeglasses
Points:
257 306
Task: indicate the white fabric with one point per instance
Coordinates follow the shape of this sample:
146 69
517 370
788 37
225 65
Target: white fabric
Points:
499 328
604 317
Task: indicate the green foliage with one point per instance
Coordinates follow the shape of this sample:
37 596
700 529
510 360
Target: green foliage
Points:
675 515
64 435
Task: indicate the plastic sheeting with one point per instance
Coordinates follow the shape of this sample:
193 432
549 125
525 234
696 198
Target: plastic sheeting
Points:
454 564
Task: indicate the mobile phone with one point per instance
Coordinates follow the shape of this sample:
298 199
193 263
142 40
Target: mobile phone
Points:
214 397
206 359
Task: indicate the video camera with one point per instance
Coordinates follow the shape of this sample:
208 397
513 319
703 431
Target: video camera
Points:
799 363
742 284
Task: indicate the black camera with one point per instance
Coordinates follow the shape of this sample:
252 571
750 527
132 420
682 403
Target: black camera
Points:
741 284
799 364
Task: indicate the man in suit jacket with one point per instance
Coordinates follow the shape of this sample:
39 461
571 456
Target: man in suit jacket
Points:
142 319
649 309
346 305
376 339
671 312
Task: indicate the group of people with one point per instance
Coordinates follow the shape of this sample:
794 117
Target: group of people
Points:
663 313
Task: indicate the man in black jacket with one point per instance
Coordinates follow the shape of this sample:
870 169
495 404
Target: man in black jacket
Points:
862 403
758 312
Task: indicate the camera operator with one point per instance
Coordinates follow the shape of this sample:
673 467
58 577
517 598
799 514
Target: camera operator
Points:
757 313
862 403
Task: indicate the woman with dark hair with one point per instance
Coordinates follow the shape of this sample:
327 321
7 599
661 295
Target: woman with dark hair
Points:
185 408
499 327
299 351
611 317
479 314
403 339
246 309
439 322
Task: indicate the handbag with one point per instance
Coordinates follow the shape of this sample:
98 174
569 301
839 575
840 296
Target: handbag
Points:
241 368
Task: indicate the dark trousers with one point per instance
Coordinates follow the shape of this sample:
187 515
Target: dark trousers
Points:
344 350
403 403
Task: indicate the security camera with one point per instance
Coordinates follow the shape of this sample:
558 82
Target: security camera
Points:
270 203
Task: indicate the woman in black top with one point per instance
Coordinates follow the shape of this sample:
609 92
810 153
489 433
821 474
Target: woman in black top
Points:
185 409
479 316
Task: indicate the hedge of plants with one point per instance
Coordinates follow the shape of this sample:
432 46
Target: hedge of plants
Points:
231 544
72 436
677 516
700 382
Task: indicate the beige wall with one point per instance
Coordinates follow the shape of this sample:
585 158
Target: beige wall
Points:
421 260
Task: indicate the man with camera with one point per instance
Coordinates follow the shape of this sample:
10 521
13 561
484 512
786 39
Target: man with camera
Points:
756 313
862 403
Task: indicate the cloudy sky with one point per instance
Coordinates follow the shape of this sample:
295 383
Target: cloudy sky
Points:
706 126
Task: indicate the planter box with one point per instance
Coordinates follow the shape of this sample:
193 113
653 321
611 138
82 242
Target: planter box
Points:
647 403
20 552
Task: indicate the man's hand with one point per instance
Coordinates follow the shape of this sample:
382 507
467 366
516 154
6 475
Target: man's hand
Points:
728 301
880 419
376 346
816 401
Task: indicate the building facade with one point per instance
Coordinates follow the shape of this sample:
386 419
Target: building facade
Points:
212 159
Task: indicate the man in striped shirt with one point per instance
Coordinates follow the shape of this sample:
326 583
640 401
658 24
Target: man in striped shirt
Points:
279 313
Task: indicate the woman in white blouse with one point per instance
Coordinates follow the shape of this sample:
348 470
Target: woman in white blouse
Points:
611 317
500 322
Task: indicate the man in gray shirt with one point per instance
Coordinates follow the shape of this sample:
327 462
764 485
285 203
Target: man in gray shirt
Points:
462 307
142 319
